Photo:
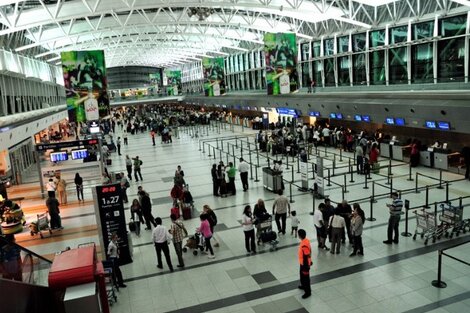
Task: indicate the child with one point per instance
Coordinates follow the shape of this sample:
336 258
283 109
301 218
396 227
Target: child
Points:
294 223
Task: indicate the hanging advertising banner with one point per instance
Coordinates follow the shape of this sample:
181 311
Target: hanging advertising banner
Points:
281 63
173 82
155 79
214 77
85 85
111 219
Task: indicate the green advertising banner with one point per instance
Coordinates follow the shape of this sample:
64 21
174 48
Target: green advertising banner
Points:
214 77
173 79
85 85
156 79
281 63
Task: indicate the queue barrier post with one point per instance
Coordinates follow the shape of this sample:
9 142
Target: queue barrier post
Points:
213 152
256 174
365 183
371 211
389 166
373 192
409 173
220 154
440 180
251 164
439 283
351 172
345 184
416 183
329 183
340 155
406 233
313 204
447 191
298 165
290 194
209 151
427 198
203 148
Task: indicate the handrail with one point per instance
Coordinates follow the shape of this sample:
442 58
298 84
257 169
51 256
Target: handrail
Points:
2 239
439 283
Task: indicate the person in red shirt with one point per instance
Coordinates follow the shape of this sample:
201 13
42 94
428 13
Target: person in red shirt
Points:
373 154
305 261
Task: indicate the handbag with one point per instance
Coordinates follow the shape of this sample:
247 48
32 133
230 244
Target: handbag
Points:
330 229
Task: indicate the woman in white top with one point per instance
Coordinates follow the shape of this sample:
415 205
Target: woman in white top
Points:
51 188
249 230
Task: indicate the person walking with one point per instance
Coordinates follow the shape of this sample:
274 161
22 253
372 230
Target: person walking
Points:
78 180
129 167
205 230
124 185
118 145
305 262
231 171
113 255
124 136
137 165
357 223
146 205
136 208
243 169
62 190
178 231
215 180
395 210
281 208
161 239
249 230
336 227
320 226
212 218
51 188
52 205
152 134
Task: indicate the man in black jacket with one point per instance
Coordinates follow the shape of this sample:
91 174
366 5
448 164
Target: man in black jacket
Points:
146 205
466 158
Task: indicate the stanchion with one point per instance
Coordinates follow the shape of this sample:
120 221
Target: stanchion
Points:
236 143
416 183
217 142
251 165
407 208
256 174
233 151
334 164
257 157
447 191
241 149
460 202
220 154
340 155
427 198
313 171
342 192
391 186
227 154
345 184
292 175
203 148
290 196
365 183
313 204
373 192
410 173
200 145
329 184
440 180
298 166
213 152
439 283
287 163
209 151
388 180
390 166
371 212
351 172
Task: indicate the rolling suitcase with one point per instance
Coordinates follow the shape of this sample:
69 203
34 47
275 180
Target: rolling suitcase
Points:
175 211
187 212
268 236
132 226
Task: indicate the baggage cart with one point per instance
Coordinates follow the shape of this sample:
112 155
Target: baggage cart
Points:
41 224
425 225
263 228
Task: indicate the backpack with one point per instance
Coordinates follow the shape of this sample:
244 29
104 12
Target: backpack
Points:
212 218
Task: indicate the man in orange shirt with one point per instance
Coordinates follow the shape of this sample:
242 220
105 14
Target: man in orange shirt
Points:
305 261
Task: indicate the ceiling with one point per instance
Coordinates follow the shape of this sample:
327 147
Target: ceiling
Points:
162 33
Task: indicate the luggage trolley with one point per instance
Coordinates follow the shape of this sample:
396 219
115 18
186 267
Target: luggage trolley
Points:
194 243
41 224
451 220
266 233
426 222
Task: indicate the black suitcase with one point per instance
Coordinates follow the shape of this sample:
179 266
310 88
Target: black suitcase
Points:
109 161
132 226
268 236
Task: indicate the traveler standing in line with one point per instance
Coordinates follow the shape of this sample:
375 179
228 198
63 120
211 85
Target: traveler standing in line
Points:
161 239
344 209
357 223
395 210
215 180
137 165
360 159
305 261
336 227
51 188
124 185
205 230
129 167
221 179
62 190
320 226
79 186
243 169
249 230
178 231
281 208
466 159
118 145
231 172
113 254
53 207
146 205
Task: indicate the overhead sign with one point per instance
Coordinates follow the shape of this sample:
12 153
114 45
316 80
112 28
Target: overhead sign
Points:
288 111
66 144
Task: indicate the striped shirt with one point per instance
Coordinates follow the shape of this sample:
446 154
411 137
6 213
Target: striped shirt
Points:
396 207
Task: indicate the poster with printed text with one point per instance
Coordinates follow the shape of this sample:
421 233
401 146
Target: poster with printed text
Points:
85 85
281 63
214 76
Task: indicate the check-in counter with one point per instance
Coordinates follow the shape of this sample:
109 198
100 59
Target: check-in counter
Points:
443 159
385 149
426 158
400 152
272 180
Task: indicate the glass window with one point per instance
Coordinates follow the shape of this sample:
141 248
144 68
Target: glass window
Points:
422 63
453 26
329 46
343 71
423 30
317 69
305 74
235 60
343 44
451 60
316 49
241 62
330 72
398 68
377 38
359 42
305 51
377 67
359 69
398 34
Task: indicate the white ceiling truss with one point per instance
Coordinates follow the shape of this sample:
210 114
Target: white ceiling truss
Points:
160 32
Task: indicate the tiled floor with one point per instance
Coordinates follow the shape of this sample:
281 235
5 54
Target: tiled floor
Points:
393 278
